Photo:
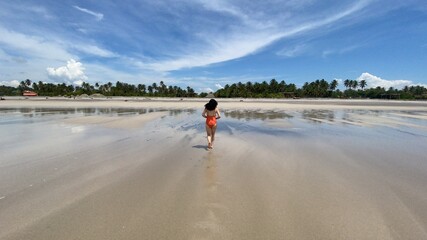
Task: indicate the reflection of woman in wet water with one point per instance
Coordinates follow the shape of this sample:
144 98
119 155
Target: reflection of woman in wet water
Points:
211 113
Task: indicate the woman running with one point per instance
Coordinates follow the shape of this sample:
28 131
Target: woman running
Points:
211 113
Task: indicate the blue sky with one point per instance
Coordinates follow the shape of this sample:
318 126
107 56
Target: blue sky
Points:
206 44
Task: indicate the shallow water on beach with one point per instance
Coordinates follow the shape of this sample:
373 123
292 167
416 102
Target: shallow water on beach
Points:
365 169
26 129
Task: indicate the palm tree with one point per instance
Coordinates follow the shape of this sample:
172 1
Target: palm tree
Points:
333 85
324 86
354 84
347 83
162 88
282 86
35 87
154 87
406 89
264 88
249 88
87 88
22 85
171 92
28 82
190 92
141 89
273 86
362 84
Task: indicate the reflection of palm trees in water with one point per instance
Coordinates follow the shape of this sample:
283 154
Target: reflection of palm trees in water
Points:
316 115
251 115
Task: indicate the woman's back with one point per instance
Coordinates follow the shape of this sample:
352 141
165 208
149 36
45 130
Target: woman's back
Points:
211 113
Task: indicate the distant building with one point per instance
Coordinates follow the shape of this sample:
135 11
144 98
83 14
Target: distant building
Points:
29 93
210 95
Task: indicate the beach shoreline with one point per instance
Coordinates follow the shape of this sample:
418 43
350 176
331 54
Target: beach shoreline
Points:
297 169
227 103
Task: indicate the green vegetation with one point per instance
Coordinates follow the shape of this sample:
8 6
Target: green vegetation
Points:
108 89
318 89
273 89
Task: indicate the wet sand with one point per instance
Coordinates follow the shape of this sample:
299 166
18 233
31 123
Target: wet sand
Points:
278 170
230 104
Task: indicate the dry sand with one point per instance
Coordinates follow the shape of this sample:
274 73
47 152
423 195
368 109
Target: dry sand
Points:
230 104
279 170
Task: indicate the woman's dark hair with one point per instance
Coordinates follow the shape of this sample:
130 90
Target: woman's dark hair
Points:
211 105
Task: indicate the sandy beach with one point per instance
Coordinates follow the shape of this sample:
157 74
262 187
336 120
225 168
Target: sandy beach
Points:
128 168
196 103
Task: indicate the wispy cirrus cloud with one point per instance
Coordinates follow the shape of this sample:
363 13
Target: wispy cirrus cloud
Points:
334 51
230 36
293 51
32 45
95 50
219 51
241 41
34 57
145 40
98 16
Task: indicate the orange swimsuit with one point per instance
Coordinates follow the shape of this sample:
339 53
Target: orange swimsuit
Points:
211 121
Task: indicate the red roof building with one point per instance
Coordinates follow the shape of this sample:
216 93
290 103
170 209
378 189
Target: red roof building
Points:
29 93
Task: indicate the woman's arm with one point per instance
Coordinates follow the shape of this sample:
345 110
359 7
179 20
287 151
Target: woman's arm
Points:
204 113
217 113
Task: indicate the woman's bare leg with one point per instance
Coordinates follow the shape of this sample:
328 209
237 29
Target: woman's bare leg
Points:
213 135
209 133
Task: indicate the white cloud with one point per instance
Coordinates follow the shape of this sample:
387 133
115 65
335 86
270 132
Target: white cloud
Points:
292 51
99 16
103 73
95 50
222 49
374 81
248 19
339 80
328 52
32 54
42 11
217 31
239 41
217 85
82 30
13 83
78 83
33 46
207 90
74 71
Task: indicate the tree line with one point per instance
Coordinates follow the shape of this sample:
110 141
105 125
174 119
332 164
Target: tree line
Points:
318 89
108 89
273 89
